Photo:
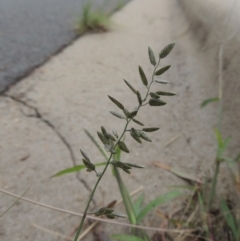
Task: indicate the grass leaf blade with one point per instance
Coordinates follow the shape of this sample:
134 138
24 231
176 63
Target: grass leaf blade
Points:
229 219
137 204
75 169
124 237
125 197
208 101
158 201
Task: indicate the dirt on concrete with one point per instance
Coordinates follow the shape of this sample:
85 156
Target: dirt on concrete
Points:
69 93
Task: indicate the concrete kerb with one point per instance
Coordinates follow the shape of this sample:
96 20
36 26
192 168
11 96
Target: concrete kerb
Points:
217 25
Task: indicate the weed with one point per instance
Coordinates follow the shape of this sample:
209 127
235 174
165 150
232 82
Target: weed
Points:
93 21
114 144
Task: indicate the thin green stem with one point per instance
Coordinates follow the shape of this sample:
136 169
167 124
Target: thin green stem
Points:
89 201
19 198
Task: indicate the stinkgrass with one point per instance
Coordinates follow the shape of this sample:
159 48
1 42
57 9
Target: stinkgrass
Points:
114 143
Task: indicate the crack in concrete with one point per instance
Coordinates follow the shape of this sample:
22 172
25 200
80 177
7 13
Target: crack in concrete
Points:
39 116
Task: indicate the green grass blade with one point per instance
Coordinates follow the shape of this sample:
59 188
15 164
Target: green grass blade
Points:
208 101
137 204
96 143
126 198
158 201
230 219
129 205
75 169
123 237
123 190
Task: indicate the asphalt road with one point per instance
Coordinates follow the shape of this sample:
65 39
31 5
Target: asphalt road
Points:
33 30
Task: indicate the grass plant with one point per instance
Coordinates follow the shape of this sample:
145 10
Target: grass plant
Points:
93 20
113 144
